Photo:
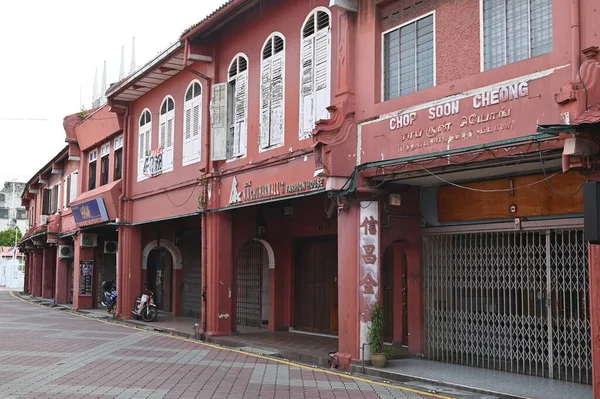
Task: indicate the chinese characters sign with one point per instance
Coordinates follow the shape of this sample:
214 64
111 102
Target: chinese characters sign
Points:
86 277
487 114
90 212
369 258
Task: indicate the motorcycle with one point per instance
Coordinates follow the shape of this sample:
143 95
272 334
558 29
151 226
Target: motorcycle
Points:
110 296
148 311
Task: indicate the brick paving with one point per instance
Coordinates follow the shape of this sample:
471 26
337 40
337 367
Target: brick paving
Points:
52 354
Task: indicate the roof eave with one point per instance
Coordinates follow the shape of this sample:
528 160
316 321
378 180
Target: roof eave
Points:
140 73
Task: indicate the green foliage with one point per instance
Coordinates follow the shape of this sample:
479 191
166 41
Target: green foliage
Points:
7 237
83 113
376 329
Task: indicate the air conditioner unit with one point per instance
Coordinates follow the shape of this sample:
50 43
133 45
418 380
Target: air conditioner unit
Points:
110 247
88 240
65 251
43 219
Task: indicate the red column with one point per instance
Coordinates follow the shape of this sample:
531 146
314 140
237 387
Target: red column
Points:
36 275
48 273
129 269
61 292
594 265
81 254
27 273
349 343
279 285
219 309
177 292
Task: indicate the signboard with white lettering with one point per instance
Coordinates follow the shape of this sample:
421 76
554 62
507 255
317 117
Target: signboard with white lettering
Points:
493 113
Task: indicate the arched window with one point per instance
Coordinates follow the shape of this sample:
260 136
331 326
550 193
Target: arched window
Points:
315 81
272 92
192 123
166 122
144 140
229 111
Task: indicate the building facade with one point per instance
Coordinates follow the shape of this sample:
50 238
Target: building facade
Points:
12 214
286 165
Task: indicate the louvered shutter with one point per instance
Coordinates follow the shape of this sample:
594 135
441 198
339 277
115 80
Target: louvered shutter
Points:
168 144
218 116
241 114
265 108
74 185
196 126
277 129
141 153
307 118
322 72
66 192
187 132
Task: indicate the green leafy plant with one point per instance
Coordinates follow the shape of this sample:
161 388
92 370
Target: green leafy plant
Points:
7 237
82 114
375 330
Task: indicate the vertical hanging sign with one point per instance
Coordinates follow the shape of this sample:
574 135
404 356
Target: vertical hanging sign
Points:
368 289
86 277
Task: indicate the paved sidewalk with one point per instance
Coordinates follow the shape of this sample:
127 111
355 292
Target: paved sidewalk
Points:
47 353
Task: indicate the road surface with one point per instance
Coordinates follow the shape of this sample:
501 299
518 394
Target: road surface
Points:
47 353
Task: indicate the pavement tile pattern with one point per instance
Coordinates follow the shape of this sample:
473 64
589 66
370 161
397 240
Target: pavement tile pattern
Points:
52 354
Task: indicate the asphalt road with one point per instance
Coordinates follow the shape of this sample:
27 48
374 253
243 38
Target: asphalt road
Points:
47 353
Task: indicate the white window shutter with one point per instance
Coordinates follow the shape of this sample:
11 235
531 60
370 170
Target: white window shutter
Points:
168 144
277 128
74 185
265 104
163 131
141 153
307 118
322 74
241 114
219 128
196 126
187 132
64 200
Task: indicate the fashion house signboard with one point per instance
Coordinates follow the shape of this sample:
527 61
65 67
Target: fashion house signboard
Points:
494 113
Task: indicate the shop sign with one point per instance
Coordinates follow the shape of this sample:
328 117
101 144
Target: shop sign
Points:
250 193
459 122
369 260
86 277
90 212
153 163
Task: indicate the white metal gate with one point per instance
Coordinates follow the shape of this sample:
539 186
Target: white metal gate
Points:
515 301
249 265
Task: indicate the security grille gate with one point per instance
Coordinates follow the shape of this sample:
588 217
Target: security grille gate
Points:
512 301
249 266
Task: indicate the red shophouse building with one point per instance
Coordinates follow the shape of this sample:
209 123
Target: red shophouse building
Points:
220 124
459 216
72 206
288 164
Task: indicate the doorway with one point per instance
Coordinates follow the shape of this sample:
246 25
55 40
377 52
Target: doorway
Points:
160 277
252 279
394 294
315 285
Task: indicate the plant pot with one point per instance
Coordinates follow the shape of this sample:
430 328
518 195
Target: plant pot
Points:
378 359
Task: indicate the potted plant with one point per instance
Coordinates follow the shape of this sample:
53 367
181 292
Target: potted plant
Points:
379 352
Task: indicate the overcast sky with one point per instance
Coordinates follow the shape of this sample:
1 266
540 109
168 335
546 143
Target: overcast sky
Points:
50 50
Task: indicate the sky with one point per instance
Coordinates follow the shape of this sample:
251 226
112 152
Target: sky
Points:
49 53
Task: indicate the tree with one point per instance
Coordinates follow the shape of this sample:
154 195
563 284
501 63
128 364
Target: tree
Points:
7 237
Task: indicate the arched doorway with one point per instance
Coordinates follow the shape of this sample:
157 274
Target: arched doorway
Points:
394 293
160 277
252 275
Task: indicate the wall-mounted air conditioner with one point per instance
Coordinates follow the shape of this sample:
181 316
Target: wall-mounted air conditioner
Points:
88 240
66 251
110 247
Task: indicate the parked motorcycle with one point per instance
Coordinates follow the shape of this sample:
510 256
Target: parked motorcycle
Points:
110 296
148 311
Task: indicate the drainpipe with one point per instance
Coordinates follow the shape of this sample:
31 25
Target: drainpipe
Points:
575 40
124 193
204 235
